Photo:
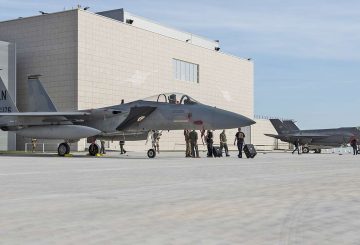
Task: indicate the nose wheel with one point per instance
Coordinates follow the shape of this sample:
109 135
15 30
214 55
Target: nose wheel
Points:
63 149
93 149
151 153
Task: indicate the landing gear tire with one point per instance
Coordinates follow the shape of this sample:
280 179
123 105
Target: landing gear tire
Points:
93 149
305 150
317 151
151 153
63 149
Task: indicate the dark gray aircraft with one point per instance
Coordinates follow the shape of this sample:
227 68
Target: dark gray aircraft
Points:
316 139
129 122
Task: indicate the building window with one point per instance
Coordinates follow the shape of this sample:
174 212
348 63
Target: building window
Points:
186 71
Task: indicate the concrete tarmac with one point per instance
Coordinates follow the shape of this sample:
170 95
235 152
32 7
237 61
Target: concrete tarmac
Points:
273 199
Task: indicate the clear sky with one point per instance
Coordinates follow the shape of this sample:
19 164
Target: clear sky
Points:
306 52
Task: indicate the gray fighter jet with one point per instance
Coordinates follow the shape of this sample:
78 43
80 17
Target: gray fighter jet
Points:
316 139
128 121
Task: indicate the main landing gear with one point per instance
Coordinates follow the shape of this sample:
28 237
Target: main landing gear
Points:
63 149
305 150
151 153
94 149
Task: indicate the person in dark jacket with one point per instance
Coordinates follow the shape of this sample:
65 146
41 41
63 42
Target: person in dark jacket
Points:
296 144
210 143
353 144
239 139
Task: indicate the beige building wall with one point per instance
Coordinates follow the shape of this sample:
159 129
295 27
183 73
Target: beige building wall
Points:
46 45
119 61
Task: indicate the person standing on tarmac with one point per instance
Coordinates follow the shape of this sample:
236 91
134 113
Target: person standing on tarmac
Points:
239 139
33 144
209 143
223 143
122 149
193 136
353 144
102 148
296 144
187 143
155 138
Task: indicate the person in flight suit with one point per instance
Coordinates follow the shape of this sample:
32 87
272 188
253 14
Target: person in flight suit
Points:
155 138
122 149
102 149
33 144
193 142
187 143
223 143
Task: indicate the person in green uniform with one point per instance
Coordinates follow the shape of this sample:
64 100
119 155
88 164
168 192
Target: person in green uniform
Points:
223 143
193 143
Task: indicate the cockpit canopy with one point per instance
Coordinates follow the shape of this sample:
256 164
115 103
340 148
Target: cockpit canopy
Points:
172 98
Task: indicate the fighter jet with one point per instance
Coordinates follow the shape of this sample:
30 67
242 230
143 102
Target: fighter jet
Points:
316 139
127 121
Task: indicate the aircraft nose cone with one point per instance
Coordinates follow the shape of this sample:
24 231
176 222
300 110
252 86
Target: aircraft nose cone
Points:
223 119
237 120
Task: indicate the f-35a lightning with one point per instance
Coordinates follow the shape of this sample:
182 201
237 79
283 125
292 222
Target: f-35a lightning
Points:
128 121
316 139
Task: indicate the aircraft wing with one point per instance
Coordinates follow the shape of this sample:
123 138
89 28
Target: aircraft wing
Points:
40 118
43 114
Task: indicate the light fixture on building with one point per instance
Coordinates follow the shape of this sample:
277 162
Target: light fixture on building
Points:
42 12
86 8
217 41
129 21
217 49
188 40
249 59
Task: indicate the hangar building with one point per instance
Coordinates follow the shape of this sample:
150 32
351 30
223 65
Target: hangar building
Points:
89 60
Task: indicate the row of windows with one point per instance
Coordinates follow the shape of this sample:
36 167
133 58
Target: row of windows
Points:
186 71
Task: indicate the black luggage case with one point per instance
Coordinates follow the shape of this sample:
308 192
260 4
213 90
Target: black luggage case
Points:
217 152
250 151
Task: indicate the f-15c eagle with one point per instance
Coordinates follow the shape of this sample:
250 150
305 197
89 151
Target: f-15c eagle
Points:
130 121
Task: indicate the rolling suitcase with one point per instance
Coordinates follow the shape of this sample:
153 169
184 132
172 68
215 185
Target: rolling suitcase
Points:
217 152
250 151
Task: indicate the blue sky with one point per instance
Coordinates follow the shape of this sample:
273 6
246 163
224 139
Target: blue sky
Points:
306 53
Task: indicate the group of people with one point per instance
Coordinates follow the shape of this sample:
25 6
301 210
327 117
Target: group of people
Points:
191 141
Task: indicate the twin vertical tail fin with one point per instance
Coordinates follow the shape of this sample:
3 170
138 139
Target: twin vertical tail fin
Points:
289 124
39 100
284 127
279 126
7 105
